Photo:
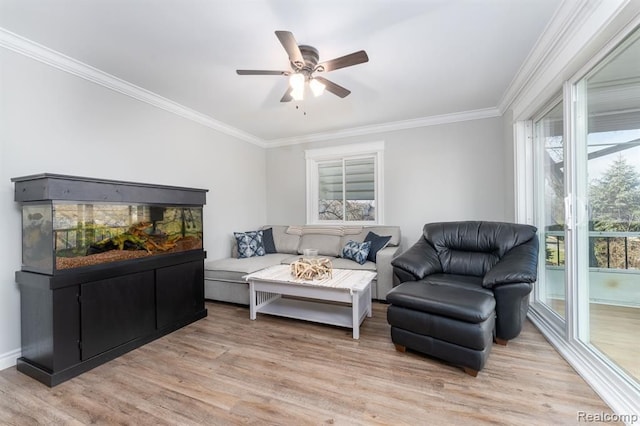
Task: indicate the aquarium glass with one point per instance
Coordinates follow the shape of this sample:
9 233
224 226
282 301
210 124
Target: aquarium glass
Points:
37 242
65 235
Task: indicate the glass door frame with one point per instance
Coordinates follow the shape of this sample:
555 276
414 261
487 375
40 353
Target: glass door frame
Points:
578 327
537 177
577 312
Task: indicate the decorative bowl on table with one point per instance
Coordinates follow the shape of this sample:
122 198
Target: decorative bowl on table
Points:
309 252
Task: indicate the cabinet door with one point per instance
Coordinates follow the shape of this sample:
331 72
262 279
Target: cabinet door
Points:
179 292
50 322
116 310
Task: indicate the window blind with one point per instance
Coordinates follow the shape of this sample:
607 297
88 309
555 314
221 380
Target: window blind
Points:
351 179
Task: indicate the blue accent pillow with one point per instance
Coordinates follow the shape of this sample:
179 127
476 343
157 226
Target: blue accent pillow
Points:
377 243
356 251
249 244
267 240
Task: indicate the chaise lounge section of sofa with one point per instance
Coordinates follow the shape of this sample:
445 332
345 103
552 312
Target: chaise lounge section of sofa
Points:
224 277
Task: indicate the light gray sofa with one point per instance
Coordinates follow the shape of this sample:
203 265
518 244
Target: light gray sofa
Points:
224 277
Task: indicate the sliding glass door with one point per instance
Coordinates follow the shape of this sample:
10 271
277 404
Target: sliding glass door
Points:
587 209
607 152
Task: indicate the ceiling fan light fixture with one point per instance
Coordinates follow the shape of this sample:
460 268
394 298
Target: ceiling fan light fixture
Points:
297 93
296 81
304 62
316 87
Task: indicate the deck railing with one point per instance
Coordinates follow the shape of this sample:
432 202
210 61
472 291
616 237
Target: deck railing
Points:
607 250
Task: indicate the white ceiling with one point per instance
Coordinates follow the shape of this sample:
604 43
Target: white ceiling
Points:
426 57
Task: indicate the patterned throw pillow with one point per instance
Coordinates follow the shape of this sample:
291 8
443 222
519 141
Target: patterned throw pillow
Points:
356 251
249 244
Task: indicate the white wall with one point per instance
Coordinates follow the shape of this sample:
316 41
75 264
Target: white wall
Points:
438 173
52 121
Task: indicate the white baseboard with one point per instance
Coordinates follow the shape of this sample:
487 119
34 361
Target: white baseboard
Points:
8 359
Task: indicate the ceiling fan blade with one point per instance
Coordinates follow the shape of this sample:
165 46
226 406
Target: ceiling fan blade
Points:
333 87
345 61
261 72
291 46
287 96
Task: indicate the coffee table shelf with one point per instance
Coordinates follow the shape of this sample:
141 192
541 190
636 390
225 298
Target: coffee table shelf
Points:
340 315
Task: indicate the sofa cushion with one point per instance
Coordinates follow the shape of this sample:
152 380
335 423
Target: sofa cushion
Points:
233 269
323 230
284 242
294 230
249 244
377 243
356 251
341 263
327 245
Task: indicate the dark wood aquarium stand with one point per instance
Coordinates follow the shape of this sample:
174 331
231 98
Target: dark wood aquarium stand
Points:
76 319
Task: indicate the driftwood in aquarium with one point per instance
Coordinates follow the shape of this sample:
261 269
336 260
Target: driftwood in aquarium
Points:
312 269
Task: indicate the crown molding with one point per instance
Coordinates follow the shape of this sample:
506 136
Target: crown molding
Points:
568 15
577 31
387 127
65 63
38 52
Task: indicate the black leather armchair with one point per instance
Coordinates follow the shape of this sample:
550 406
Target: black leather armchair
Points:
496 256
463 282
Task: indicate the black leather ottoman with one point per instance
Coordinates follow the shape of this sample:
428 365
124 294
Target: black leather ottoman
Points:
451 323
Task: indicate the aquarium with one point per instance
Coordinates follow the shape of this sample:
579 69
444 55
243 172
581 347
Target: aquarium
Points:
71 222
64 235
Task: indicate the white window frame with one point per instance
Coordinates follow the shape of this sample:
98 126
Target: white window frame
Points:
337 153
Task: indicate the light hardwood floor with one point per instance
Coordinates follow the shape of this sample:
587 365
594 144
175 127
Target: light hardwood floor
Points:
226 369
613 330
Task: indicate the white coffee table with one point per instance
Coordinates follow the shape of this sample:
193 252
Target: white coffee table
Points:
352 287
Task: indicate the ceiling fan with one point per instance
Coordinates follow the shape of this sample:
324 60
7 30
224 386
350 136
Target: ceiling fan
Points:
304 65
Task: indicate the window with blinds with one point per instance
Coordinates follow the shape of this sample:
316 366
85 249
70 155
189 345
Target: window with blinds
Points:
344 184
347 190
